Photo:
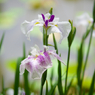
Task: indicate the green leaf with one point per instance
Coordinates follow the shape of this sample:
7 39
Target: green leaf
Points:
59 79
26 84
50 45
86 33
92 85
44 77
24 53
80 62
52 89
51 77
43 81
69 85
59 69
3 91
46 87
55 44
16 83
1 41
94 11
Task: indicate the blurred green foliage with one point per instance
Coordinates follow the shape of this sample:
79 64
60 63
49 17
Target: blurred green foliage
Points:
8 18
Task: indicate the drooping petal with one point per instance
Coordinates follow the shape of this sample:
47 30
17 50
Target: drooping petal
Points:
33 66
55 29
27 27
22 67
65 28
53 53
38 70
25 64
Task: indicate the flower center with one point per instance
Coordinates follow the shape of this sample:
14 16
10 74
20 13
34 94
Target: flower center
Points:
47 20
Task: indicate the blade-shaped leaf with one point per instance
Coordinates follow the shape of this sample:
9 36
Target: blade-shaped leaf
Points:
59 69
92 85
16 83
1 41
52 89
46 87
26 84
80 61
3 91
94 11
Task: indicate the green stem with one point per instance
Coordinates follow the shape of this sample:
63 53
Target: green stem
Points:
67 69
87 52
59 69
45 42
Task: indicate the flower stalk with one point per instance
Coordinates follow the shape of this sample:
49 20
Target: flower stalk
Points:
67 69
87 51
45 42
70 40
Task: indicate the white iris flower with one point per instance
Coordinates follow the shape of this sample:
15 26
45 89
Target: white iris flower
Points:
50 23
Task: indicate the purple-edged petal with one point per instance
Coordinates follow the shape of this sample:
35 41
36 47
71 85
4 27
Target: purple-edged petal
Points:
32 65
44 60
53 54
43 17
38 70
51 18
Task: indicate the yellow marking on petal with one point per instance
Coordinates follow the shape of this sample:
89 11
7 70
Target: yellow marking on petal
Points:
42 54
89 21
36 55
36 23
56 25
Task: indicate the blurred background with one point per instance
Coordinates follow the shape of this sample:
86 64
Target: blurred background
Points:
14 12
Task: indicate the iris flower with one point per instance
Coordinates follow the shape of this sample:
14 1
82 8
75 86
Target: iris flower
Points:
50 23
38 62
83 21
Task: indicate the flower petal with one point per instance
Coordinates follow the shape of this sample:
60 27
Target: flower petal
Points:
35 50
22 67
44 60
33 66
27 27
65 28
51 18
43 17
53 54
38 70
47 16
